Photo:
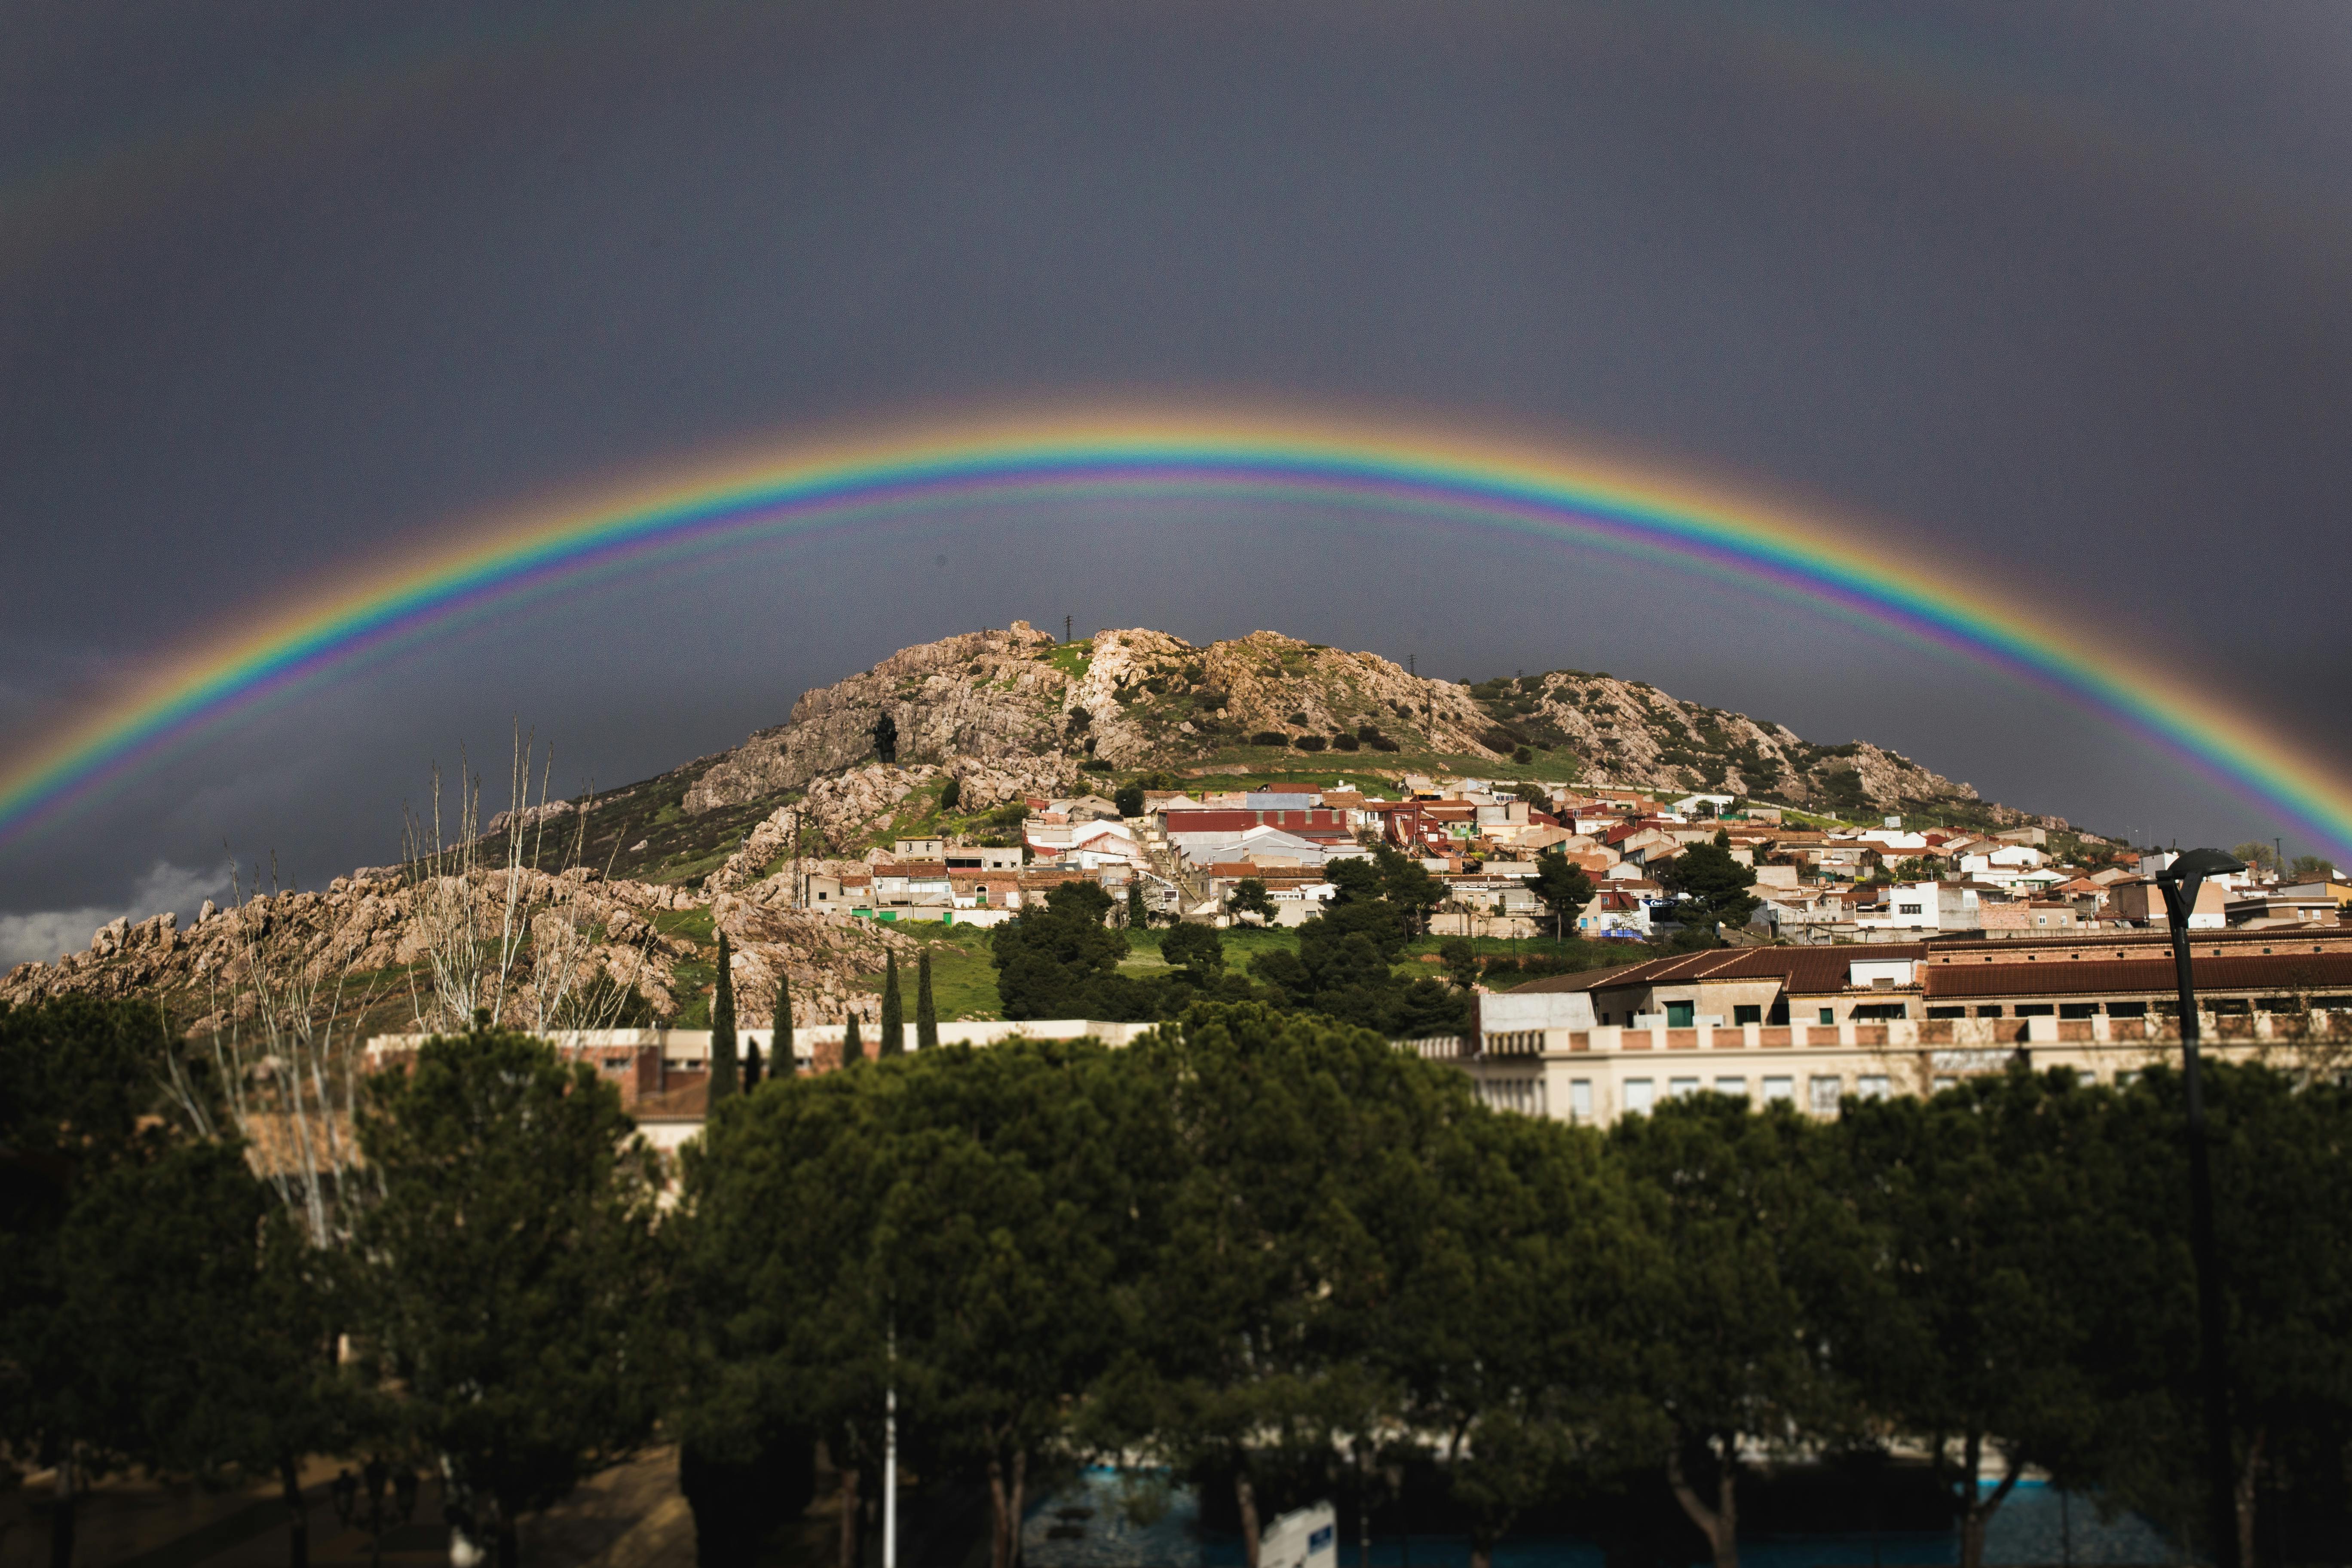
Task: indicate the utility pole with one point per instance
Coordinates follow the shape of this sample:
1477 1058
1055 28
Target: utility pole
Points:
1067 626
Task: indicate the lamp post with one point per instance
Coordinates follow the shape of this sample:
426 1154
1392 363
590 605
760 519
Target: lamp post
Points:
2180 881
890 1455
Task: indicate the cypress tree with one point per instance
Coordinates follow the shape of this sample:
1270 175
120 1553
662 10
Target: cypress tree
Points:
852 1048
726 1071
750 1066
927 1015
1136 919
783 1056
894 1012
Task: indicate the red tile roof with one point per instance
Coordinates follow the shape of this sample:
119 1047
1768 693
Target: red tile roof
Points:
1806 971
2279 972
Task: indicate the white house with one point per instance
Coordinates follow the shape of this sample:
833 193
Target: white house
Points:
1924 906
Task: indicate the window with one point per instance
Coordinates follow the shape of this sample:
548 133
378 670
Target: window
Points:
1677 1087
2078 1009
1870 1086
1829 1015
2126 1009
1825 1091
1679 1014
1579 1099
1947 1012
1944 1081
1780 1088
1990 1010
1733 1085
1908 910
1638 1092
1746 1013
2034 1009
1883 1010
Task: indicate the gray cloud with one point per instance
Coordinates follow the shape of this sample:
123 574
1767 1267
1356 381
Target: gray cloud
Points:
1943 273
45 934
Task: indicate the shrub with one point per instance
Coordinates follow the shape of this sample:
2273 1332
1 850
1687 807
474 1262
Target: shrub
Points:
1308 743
1345 742
952 794
1298 718
1269 738
1523 756
1382 744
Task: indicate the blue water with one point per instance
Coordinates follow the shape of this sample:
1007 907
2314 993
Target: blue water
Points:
2038 1525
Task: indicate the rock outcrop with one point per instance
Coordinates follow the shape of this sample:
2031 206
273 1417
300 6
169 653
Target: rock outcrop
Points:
1629 731
1011 712
376 922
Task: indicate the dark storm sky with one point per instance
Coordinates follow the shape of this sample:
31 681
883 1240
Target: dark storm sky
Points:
2059 292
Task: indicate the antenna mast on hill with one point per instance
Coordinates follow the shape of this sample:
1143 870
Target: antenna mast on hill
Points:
1066 628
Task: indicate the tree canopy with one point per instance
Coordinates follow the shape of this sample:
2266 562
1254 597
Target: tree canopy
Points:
1711 889
1260 1247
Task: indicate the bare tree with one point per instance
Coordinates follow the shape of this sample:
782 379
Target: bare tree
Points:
287 1009
509 932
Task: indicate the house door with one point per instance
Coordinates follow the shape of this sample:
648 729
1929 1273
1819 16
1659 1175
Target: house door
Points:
1679 1015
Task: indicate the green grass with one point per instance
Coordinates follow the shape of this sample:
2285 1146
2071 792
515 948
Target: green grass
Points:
694 925
1373 771
1072 658
690 982
963 973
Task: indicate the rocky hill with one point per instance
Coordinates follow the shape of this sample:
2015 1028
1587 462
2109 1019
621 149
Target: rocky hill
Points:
983 720
1012 710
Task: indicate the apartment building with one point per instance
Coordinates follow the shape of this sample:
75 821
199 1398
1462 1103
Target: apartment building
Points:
1813 1026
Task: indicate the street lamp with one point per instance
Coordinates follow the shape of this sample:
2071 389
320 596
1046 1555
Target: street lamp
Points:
2180 881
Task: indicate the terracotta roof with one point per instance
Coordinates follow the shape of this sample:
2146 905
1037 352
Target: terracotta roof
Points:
1807 971
2276 972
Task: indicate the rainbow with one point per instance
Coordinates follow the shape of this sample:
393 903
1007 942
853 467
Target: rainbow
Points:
940 469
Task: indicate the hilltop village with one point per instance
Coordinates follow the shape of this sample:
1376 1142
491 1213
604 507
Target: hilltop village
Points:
1814 882
1570 870
1866 961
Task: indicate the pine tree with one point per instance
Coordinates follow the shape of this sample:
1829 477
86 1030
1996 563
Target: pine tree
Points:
927 1015
853 1050
726 1070
894 1012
